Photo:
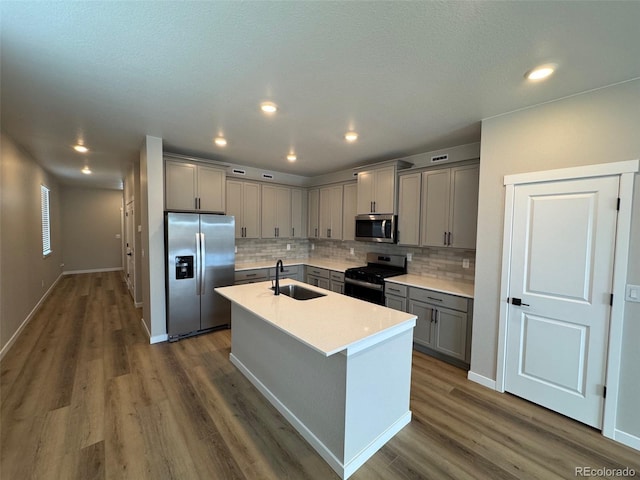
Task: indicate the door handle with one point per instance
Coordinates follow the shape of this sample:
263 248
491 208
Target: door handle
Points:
129 254
518 302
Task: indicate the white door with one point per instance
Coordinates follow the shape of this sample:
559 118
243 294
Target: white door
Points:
129 235
561 273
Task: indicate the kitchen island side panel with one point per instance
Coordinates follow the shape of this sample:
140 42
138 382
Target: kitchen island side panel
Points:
310 385
378 391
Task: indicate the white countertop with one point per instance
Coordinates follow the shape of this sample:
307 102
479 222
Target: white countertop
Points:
335 265
328 324
438 285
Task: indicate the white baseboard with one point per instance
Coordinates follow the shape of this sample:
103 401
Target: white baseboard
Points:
93 270
482 380
26 321
137 304
156 338
626 439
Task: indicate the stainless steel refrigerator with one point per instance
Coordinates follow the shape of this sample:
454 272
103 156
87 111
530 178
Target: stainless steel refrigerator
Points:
200 256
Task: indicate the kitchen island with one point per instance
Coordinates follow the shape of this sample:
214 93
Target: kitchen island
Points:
338 369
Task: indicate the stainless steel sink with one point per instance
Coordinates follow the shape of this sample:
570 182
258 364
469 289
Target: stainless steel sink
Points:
299 293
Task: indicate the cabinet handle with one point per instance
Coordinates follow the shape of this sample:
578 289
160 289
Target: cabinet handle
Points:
315 233
251 274
374 206
328 233
435 299
449 238
195 203
293 231
437 313
275 231
433 314
445 239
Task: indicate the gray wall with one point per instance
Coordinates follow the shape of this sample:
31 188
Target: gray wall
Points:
25 276
596 127
91 219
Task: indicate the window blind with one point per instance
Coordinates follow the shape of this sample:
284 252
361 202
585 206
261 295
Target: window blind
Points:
46 225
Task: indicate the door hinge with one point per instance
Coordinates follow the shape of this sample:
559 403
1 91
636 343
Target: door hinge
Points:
618 204
604 391
611 301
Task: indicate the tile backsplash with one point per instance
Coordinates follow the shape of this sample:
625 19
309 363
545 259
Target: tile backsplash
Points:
445 263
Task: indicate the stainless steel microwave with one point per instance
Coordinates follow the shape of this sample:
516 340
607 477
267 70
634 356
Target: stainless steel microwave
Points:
376 228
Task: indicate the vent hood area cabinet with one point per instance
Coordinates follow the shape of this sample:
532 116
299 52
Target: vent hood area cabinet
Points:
449 208
194 187
276 211
243 202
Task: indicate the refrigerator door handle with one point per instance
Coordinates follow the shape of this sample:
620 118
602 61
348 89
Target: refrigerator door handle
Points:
203 256
198 264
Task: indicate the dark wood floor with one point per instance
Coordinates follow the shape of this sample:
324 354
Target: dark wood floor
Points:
84 396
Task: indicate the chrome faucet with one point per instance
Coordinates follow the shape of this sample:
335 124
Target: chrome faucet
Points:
276 289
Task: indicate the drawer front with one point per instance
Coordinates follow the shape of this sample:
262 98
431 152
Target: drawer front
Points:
395 289
286 273
337 276
252 275
318 272
438 299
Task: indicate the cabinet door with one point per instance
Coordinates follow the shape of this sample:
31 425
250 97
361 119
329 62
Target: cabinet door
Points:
409 209
422 333
283 212
365 192
314 213
336 212
325 212
180 186
324 283
384 190
463 217
211 189
435 207
235 204
337 287
350 194
251 209
298 213
397 303
450 332
269 211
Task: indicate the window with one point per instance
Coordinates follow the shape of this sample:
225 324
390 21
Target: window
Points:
46 225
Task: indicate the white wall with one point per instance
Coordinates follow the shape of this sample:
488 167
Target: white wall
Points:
152 252
25 276
91 219
596 127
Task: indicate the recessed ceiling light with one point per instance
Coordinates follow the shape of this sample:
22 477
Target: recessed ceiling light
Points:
220 141
351 136
292 157
80 148
86 170
268 107
541 72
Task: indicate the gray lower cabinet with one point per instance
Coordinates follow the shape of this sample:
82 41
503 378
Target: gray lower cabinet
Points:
251 276
318 277
442 326
292 272
336 281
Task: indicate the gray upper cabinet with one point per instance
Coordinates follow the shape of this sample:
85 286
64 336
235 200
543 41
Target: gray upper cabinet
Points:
194 187
298 213
409 209
331 212
349 199
314 213
243 202
276 211
377 190
450 207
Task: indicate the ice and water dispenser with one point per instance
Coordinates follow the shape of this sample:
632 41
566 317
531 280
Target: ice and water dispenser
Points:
184 267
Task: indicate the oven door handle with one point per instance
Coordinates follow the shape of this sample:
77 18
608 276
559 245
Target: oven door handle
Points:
360 283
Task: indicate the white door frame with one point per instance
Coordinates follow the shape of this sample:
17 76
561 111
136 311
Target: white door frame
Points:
626 170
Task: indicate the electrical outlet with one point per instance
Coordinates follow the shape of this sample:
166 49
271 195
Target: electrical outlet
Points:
409 257
313 246
465 263
288 246
42 283
352 251
633 293
118 235
236 249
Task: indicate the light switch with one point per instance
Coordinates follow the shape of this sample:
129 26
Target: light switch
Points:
409 257
633 293
465 263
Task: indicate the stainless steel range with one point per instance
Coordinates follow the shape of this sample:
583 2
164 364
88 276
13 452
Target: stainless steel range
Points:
367 283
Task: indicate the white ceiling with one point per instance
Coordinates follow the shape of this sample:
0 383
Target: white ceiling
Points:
408 76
